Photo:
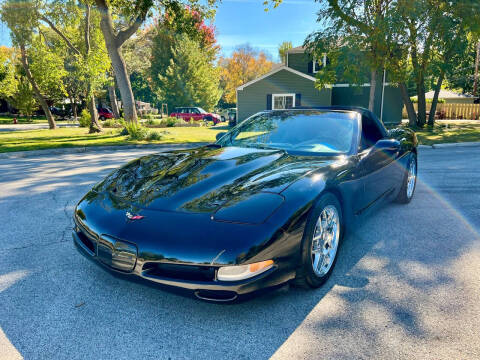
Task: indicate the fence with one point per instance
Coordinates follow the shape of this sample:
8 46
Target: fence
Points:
451 111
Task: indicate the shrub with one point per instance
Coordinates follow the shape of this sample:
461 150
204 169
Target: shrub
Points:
85 119
154 135
138 132
171 121
114 123
154 122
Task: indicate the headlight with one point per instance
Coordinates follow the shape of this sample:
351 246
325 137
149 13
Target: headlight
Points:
242 272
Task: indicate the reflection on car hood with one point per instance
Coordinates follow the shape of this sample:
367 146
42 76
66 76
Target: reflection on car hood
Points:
200 180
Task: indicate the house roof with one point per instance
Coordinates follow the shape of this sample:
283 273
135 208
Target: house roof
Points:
447 94
274 71
296 50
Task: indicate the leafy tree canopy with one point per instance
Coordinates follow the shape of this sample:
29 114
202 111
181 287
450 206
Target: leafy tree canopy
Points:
244 65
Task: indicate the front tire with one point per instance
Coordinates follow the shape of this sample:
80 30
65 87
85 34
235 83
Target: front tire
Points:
102 117
321 241
409 181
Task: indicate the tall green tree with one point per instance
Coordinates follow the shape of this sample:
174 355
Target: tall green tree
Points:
360 25
190 78
282 50
77 27
21 17
133 13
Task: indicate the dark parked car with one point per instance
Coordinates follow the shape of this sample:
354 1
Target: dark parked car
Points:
61 113
269 202
104 113
195 113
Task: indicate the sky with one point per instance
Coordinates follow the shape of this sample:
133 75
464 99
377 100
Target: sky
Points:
245 21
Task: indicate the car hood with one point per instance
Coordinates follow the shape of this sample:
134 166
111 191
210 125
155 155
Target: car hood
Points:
202 180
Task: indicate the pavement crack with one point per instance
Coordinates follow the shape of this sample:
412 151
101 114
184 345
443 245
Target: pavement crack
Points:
37 245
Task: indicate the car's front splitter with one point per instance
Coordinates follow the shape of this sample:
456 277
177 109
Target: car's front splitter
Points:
217 291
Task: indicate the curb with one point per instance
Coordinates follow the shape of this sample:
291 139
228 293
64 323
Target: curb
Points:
82 149
449 145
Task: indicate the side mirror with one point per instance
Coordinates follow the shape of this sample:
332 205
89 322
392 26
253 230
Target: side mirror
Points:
390 145
219 135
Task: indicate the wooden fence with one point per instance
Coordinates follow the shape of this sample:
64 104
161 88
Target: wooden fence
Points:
452 111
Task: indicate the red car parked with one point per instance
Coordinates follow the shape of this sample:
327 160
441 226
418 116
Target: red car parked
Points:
195 113
105 113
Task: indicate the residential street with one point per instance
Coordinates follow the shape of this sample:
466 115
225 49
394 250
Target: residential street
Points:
406 285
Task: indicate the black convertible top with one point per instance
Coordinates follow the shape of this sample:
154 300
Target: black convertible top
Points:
359 109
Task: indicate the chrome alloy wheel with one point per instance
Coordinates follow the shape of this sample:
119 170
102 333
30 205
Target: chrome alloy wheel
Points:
325 240
412 177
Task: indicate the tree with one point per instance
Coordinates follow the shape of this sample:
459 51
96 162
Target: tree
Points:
137 52
358 24
190 78
244 65
23 99
8 80
135 13
21 18
450 47
282 50
78 29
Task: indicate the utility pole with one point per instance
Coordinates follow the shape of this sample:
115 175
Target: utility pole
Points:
475 80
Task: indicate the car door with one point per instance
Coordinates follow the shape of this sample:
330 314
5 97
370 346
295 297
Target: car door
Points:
376 165
196 115
185 114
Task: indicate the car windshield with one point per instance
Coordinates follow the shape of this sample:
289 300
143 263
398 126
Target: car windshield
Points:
201 110
305 131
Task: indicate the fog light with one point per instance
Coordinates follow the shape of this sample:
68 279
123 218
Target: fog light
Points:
118 254
124 256
241 272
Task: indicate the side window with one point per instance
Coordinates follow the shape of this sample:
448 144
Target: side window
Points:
195 111
370 133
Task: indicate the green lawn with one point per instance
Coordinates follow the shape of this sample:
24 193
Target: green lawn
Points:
68 137
449 133
6 120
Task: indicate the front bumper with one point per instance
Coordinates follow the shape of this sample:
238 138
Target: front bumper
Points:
192 278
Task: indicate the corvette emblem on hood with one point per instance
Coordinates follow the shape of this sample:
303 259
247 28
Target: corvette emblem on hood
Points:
131 216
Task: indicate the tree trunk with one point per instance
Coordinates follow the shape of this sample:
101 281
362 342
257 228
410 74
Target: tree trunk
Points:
74 109
95 126
118 64
113 101
433 109
43 103
475 77
422 104
412 117
373 88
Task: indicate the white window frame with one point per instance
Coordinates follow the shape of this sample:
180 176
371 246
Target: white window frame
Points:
324 61
282 95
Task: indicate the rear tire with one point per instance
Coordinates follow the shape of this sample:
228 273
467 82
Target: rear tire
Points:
409 182
321 241
102 117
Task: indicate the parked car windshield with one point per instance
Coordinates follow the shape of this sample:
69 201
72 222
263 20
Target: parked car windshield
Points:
305 131
201 110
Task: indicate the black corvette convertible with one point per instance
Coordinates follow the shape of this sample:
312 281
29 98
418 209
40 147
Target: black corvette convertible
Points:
269 202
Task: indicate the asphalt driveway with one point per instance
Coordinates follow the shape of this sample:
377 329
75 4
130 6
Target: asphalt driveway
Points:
407 283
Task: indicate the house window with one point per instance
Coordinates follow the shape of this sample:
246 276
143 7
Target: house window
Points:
283 101
316 65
